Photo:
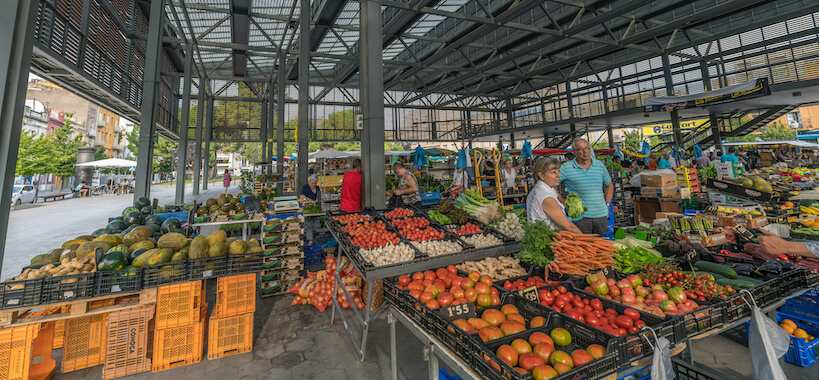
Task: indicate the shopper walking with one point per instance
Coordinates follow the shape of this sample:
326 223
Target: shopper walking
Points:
587 178
458 182
730 157
407 192
351 188
664 162
543 202
226 180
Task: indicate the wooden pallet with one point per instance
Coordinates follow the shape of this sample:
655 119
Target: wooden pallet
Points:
78 308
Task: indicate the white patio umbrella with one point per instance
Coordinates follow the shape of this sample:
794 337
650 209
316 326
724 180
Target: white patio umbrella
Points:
110 163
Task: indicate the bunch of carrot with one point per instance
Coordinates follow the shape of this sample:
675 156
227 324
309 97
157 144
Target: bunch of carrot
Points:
579 254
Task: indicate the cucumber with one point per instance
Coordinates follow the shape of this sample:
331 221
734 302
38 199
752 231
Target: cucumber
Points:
715 268
736 284
749 279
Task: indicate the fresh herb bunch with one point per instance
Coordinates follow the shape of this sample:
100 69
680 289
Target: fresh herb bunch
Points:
535 244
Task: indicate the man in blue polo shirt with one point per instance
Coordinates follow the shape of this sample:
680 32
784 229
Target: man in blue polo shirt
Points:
588 178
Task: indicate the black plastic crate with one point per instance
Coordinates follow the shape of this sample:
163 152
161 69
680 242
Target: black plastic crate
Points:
164 274
244 263
766 294
489 366
121 281
687 371
207 267
21 293
66 288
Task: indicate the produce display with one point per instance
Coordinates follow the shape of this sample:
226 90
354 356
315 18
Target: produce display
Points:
690 223
420 234
438 248
466 229
590 310
496 268
352 218
546 356
497 323
536 244
225 204
388 255
368 235
510 226
634 292
443 287
398 213
408 223
487 212
579 254
439 218
64 268
482 240
317 289
447 208
521 284
789 326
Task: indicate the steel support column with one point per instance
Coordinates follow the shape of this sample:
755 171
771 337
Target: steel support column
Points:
208 137
271 126
150 101
372 102
197 156
263 132
669 89
510 116
715 130
16 41
610 135
304 91
280 119
182 150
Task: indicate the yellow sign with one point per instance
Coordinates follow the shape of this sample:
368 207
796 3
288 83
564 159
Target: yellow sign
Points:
666 128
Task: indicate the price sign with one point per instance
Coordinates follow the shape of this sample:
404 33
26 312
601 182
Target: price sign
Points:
691 256
742 231
608 271
530 294
460 311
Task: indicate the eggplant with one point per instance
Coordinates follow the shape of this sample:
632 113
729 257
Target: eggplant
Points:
744 269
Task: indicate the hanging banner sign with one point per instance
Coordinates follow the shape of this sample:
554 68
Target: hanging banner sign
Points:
667 129
741 91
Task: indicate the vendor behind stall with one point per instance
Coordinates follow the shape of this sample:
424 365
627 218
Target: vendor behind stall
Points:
351 188
310 190
543 202
508 173
407 192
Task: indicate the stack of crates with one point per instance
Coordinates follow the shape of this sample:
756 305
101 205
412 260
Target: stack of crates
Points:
623 209
687 177
84 342
282 243
126 349
312 254
16 350
179 333
230 329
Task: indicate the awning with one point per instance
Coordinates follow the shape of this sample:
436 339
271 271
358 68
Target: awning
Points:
110 163
801 144
746 90
812 135
543 152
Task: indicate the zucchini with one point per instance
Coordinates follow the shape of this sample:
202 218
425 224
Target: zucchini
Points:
715 268
736 284
716 276
749 279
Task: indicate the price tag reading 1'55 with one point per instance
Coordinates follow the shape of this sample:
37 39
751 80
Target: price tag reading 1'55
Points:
459 311
530 294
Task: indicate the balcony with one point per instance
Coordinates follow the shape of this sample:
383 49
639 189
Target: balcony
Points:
119 147
118 128
98 143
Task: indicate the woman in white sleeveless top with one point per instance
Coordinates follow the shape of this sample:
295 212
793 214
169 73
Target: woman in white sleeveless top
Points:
543 202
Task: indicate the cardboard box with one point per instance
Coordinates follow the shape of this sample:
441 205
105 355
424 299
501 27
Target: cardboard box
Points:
660 192
666 215
750 221
703 238
766 156
664 180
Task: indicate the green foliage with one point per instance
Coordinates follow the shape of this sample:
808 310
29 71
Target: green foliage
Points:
248 178
62 146
133 141
777 131
535 244
633 140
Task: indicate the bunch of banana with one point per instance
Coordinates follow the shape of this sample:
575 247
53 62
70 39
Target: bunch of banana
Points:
809 210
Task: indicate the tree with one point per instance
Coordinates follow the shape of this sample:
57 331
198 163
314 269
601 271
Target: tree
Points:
32 157
63 145
777 132
99 154
133 140
163 155
633 140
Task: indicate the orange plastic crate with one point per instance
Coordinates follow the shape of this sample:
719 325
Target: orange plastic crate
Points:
179 346
15 351
126 348
235 295
84 342
43 365
230 336
179 304
59 334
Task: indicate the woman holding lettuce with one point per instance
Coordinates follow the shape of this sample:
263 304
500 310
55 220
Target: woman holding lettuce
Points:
543 202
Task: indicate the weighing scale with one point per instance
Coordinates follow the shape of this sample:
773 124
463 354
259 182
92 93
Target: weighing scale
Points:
288 203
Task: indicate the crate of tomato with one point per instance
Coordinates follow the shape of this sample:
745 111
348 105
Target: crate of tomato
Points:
523 282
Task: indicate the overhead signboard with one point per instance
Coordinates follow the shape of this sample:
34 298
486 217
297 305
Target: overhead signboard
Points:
667 129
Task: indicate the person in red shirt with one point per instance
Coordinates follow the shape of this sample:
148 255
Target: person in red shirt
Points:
351 188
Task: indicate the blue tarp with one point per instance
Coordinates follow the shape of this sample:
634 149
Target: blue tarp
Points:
420 158
460 163
697 151
526 152
646 150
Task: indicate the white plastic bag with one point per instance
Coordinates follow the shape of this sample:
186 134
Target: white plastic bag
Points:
768 342
661 367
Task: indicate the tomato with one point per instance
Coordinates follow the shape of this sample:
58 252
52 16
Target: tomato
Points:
596 304
631 313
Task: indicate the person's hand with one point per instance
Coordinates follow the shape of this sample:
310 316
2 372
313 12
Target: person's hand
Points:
773 244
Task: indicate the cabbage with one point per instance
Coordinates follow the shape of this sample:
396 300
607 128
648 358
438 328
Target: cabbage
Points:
574 206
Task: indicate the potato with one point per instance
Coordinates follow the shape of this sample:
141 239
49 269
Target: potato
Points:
47 267
75 265
23 276
18 287
65 261
87 267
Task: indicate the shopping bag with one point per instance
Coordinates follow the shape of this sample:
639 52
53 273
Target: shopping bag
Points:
768 342
661 367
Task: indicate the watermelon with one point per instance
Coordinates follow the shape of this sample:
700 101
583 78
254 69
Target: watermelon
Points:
129 210
99 232
141 202
113 261
133 219
170 224
136 253
154 227
153 219
146 210
115 227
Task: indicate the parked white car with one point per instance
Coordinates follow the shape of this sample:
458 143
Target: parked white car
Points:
22 194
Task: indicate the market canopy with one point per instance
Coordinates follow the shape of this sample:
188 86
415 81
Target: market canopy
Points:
438 152
110 163
801 144
543 152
